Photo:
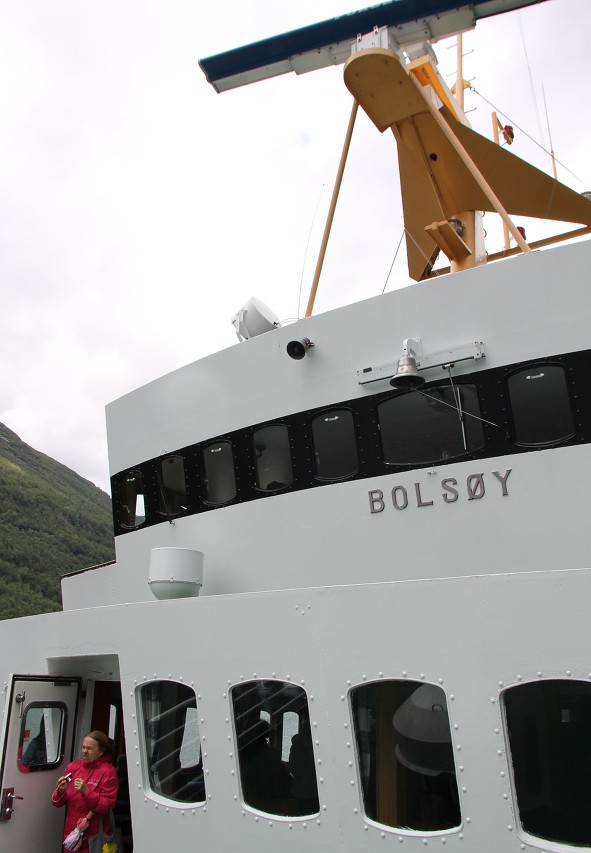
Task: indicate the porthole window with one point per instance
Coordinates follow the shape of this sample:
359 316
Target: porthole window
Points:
172 745
540 406
132 511
172 489
405 757
549 729
272 458
430 425
275 751
335 448
219 481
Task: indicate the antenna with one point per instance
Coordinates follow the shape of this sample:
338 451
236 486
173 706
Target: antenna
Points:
329 42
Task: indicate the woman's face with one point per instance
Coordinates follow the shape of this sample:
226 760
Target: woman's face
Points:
91 749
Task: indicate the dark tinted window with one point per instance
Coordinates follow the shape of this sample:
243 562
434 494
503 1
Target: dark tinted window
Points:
430 425
272 458
540 405
219 482
405 756
131 499
275 751
172 746
171 486
335 449
549 726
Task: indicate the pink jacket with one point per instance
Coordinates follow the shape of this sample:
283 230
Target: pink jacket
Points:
101 780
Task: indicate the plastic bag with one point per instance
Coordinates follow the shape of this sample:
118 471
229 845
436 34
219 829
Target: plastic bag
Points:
74 840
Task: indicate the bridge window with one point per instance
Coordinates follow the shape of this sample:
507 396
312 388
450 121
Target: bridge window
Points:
272 458
172 489
275 751
549 728
172 745
540 405
430 425
405 756
131 499
335 448
219 481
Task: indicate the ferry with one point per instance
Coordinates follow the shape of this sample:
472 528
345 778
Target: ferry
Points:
349 607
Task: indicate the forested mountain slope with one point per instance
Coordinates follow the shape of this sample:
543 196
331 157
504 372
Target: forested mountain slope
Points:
52 521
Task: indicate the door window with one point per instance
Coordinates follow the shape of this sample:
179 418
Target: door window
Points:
42 734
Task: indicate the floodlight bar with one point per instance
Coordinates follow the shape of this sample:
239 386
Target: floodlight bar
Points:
329 42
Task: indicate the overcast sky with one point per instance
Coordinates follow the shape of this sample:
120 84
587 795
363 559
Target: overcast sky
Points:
139 209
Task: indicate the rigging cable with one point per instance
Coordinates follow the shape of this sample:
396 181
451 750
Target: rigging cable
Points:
306 251
531 81
455 408
531 138
393 261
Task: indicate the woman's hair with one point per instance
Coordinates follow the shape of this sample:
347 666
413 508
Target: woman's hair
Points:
104 742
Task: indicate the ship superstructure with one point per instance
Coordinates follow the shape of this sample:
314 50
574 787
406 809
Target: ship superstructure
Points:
348 608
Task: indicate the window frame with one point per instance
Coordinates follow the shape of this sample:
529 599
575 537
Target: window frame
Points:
163 508
144 493
274 719
256 479
538 365
385 827
539 841
146 758
322 413
470 450
46 765
203 472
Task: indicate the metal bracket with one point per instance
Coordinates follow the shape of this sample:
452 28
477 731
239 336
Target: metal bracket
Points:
8 797
414 347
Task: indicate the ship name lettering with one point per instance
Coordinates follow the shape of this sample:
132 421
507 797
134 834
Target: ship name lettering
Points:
475 489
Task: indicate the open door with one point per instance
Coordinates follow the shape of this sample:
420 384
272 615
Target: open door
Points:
39 732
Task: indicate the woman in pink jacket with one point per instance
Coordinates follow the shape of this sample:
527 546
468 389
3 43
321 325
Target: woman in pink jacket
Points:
88 787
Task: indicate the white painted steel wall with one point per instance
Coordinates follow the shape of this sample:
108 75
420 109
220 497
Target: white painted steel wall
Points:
526 307
474 636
